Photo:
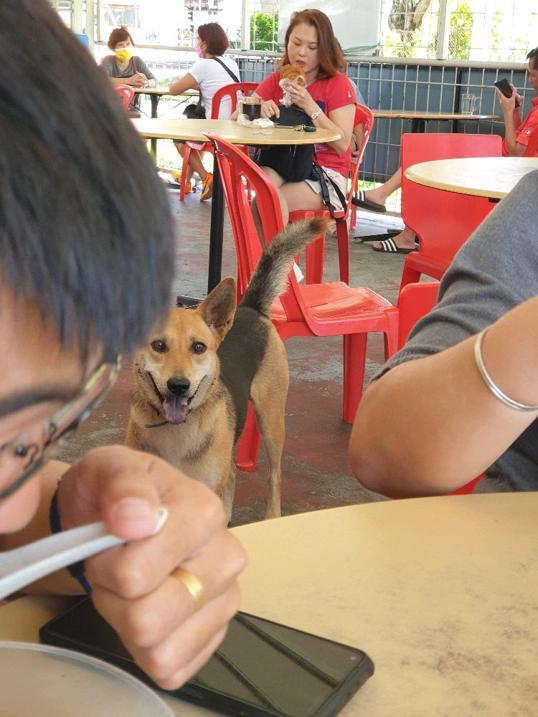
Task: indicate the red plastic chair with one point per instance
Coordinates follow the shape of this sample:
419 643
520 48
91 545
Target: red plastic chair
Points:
126 95
316 251
230 92
329 309
443 221
364 117
414 302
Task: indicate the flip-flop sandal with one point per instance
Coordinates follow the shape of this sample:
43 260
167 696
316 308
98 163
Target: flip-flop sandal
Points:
378 237
360 200
389 246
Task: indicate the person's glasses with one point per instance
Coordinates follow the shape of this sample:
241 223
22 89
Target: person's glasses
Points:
19 460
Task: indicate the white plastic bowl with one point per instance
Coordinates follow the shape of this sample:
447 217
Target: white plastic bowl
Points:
44 681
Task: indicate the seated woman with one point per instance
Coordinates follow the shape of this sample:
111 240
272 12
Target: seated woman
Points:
124 67
328 99
457 402
211 72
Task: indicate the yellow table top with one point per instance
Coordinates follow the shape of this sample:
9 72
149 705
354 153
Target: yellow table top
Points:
193 130
418 114
442 593
491 177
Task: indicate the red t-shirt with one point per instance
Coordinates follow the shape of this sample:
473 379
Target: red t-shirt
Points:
527 132
330 94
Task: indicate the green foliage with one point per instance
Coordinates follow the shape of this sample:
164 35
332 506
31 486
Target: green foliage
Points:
264 31
461 29
496 31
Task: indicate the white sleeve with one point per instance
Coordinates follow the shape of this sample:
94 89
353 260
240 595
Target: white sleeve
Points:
199 71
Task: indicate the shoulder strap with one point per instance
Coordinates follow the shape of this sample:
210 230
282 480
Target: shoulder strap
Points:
234 77
323 179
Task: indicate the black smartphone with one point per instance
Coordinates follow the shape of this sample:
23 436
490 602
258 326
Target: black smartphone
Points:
261 669
504 86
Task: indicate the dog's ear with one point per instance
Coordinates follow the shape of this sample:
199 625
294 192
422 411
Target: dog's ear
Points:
218 308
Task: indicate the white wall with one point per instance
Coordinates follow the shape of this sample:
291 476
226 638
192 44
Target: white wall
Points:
355 22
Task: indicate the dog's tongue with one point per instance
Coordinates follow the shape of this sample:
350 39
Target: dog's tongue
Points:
175 409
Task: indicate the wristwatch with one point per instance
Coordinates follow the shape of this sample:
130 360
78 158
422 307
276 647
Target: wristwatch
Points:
315 114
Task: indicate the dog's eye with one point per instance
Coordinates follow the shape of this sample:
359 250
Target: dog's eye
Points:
159 346
198 347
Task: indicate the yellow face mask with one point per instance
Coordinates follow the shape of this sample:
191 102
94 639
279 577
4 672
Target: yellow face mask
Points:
125 54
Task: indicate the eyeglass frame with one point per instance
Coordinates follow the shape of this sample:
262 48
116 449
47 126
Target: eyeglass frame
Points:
107 373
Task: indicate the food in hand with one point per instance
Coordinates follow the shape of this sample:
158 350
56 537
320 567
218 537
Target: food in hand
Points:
291 75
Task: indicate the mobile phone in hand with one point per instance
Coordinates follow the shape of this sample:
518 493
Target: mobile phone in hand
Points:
504 86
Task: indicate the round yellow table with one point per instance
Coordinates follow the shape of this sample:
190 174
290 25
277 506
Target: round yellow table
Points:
442 593
491 177
194 130
419 118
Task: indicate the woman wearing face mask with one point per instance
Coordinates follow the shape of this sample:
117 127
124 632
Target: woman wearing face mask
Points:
124 67
209 73
328 99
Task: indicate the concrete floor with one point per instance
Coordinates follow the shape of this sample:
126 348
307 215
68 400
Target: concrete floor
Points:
315 468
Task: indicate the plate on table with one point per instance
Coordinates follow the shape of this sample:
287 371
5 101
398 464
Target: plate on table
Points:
44 681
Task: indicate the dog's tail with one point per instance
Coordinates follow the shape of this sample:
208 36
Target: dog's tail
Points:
271 275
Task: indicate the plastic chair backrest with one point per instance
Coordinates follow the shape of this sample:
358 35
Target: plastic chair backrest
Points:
363 116
443 220
414 302
230 91
239 173
126 95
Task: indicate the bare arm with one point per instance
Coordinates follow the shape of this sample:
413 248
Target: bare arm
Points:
340 120
512 120
187 82
430 425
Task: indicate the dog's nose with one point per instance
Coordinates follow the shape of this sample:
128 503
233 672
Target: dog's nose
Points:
178 386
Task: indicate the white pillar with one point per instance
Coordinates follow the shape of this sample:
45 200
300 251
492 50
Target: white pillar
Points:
443 30
90 22
245 25
77 16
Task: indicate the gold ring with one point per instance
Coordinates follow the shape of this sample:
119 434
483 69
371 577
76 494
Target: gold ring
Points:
193 585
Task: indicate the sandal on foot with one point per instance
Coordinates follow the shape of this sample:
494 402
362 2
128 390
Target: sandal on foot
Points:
378 237
360 200
207 189
389 246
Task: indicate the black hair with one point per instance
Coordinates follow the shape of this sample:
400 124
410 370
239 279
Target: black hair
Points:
533 55
85 225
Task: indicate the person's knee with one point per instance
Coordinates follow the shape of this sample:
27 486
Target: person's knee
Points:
273 176
298 195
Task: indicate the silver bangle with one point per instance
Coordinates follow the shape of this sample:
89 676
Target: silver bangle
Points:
492 386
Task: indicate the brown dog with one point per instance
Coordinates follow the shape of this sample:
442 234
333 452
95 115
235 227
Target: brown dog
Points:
193 380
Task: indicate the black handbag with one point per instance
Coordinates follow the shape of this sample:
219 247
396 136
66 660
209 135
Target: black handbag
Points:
293 163
195 110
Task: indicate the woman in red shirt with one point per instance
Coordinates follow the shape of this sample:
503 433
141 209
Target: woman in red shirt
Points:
328 98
